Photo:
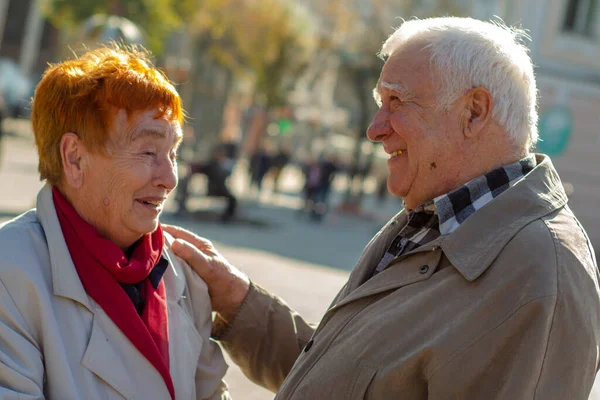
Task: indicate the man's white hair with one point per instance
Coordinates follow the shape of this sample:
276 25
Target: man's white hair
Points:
469 53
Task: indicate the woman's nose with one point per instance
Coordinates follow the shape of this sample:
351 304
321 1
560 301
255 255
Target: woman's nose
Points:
167 175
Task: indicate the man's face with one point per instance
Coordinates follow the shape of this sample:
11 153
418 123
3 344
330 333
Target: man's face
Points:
423 140
126 189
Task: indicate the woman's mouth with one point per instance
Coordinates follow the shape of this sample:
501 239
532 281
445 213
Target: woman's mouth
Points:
151 203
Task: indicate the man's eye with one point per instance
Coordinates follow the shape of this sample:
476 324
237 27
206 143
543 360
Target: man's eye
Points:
150 153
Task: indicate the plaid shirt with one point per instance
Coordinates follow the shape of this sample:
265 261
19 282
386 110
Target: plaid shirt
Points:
444 214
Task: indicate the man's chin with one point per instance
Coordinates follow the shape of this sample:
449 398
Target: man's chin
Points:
396 191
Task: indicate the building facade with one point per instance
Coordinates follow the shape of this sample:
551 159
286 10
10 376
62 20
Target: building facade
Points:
565 49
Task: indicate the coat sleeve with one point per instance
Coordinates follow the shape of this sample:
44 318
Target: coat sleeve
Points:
544 350
21 361
265 337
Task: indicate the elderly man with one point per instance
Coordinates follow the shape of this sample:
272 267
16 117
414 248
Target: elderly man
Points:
484 287
93 302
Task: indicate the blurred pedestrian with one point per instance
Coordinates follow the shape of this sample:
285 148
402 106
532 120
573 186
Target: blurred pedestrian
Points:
230 150
484 287
329 169
93 302
313 173
260 161
217 171
278 163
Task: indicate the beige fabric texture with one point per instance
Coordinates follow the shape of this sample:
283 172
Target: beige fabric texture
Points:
505 307
57 343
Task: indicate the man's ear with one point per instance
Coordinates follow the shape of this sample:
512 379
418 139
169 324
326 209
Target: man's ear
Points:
72 152
478 111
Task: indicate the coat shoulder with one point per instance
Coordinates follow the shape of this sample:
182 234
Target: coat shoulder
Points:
552 249
571 242
23 244
25 270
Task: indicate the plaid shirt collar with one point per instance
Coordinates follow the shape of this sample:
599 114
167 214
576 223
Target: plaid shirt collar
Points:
444 214
454 207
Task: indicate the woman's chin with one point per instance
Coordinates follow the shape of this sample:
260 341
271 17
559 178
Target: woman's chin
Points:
146 227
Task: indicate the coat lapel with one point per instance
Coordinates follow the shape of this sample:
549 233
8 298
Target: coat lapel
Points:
361 284
65 280
102 359
418 265
185 343
373 253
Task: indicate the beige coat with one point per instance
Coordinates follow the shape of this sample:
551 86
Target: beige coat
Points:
506 307
57 343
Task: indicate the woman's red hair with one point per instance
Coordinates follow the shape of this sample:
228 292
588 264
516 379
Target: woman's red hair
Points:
82 95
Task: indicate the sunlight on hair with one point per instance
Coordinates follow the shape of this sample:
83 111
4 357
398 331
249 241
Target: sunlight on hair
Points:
82 94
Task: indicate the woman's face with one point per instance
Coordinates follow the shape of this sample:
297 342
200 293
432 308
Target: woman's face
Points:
126 188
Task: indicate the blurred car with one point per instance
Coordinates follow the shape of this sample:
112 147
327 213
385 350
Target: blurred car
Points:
15 88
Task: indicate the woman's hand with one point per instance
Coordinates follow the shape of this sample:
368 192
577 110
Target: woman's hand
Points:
227 286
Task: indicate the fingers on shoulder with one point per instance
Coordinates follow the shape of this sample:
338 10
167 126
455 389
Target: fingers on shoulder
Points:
190 237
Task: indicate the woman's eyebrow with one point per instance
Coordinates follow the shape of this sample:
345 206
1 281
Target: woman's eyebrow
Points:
155 133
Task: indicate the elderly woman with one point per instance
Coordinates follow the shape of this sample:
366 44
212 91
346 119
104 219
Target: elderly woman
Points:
93 303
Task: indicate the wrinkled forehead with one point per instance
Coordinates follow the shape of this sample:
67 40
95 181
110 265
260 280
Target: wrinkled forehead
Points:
129 126
407 71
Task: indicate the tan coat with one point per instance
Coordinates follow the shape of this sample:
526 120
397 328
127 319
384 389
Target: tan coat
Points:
57 343
506 307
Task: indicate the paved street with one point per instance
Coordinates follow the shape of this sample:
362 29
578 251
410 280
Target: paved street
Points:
304 262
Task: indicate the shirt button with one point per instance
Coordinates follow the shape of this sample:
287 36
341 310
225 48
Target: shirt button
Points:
308 345
393 223
424 269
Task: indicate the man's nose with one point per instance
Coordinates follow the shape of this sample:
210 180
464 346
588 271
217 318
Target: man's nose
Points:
380 127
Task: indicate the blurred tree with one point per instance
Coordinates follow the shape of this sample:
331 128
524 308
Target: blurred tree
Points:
266 40
264 43
157 18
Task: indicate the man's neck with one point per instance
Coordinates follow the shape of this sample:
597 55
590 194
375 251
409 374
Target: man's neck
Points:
468 174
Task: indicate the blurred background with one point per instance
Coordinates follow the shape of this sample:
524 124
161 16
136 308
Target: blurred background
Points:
275 166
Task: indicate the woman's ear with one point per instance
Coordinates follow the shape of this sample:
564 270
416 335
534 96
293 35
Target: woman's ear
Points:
72 151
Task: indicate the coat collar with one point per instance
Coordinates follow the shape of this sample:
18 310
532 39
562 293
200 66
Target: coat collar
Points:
470 249
373 252
65 280
477 242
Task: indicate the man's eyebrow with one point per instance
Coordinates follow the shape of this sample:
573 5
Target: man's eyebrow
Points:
397 87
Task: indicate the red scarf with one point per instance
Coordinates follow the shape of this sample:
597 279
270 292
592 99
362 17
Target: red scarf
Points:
101 266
